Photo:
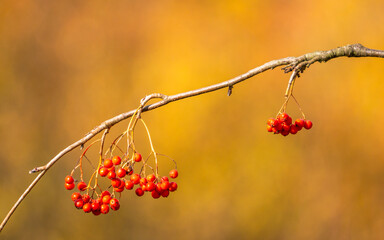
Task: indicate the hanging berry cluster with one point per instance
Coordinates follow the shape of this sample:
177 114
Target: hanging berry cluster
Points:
121 173
283 124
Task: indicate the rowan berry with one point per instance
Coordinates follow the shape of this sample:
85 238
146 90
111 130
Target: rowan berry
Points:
299 123
129 184
104 208
95 206
116 160
96 212
106 199
115 204
108 163
151 178
165 193
307 124
173 173
137 157
143 181
69 186
294 129
82 186
164 185
150 186
269 128
172 186
135 178
79 204
155 194
139 192
103 171
104 193
116 182
118 189
121 172
75 196
86 198
87 207
69 179
111 175
164 179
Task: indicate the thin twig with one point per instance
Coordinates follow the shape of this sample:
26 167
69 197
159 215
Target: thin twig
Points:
291 63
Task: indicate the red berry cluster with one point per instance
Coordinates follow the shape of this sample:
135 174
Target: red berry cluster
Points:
283 124
121 177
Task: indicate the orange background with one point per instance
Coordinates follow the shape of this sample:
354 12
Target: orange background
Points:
66 66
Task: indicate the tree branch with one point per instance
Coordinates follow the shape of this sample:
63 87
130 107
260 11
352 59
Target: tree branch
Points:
293 64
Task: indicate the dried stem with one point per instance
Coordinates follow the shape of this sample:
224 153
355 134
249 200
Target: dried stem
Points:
297 64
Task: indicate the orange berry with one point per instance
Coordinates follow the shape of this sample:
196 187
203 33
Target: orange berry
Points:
116 160
137 157
173 173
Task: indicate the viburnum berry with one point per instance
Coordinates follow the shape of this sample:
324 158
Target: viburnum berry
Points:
69 179
114 203
116 160
75 196
82 186
108 163
69 186
137 157
173 173
104 208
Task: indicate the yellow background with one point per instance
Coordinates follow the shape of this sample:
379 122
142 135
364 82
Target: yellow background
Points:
66 66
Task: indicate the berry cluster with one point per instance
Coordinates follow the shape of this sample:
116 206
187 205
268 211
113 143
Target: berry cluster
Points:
283 124
121 176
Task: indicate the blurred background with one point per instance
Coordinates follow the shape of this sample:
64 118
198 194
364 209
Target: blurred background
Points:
66 66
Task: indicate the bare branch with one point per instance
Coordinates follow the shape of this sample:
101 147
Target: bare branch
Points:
296 64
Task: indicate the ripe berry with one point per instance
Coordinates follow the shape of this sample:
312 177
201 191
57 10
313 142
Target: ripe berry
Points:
104 193
173 173
69 186
104 209
87 207
116 182
285 127
111 175
165 193
114 203
164 179
139 192
269 128
129 184
118 189
103 171
164 185
121 172
106 199
75 196
173 186
86 198
82 186
69 179
137 157
151 178
96 212
150 186
307 124
79 204
116 160
155 194
95 206
135 178
294 129
108 163
299 123
143 181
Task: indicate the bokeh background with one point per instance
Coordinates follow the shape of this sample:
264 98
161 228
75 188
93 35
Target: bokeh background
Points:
66 66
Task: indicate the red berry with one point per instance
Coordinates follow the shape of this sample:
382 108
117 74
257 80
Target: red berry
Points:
104 209
103 171
75 196
284 133
165 193
129 184
173 186
111 175
135 178
137 157
294 129
114 203
299 123
121 172
116 182
269 128
164 179
118 189
173 173
95 206
104 193
82 186
69 186
96 212
106 199
150 186
143 181
87 207
108 163
286 127
69 179
86 198
151 178
155 194
116 160
139 192
307 124
164 185
79 204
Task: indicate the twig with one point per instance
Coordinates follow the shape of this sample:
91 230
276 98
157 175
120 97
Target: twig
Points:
297 64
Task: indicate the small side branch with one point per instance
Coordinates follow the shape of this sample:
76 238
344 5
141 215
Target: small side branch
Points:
295 64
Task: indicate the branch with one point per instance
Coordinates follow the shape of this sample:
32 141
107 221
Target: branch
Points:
296 65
